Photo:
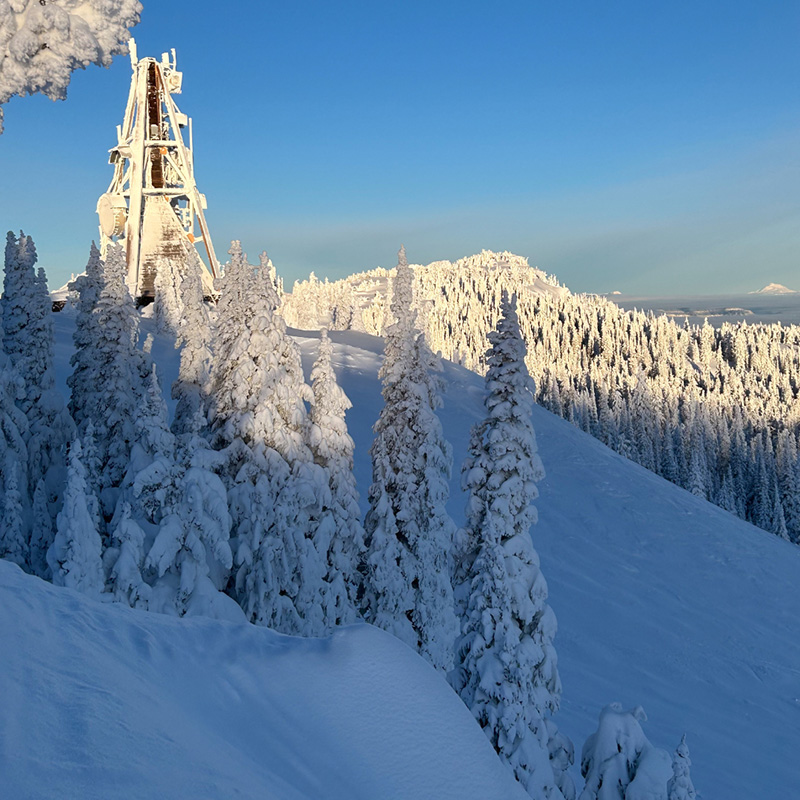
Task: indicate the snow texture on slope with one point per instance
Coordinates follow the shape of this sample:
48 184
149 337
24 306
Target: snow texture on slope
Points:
103 701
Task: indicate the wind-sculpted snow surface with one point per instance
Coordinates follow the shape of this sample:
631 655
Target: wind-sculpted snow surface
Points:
103 701
42 43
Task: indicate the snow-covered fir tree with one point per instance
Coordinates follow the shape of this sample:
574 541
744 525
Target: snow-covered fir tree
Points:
28 339
168 303
258 420
108 370
339 536
15 520
506 667
409 536
75 557
190 558
124 558
85 292
30 352
619 763
184 505
141 495
194 339
42 533
680 786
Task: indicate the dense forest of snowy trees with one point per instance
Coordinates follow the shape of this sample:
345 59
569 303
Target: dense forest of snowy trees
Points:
714 410
244 505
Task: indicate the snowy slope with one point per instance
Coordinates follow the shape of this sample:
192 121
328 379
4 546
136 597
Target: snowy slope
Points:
775 288
662 600
101 701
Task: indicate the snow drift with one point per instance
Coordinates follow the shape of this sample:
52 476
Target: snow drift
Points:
103 701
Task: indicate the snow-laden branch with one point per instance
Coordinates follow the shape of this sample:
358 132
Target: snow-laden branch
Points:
43 41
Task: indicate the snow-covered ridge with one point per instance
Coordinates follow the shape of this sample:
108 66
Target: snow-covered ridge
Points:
775 288
361 301
617 373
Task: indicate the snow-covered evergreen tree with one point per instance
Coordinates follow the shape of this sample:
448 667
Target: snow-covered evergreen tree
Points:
194 339
168 304
191 555
124 559
14 542
108 370
14 516
680 786
618 761
407 585
506 668
41 533
258 423
28 339
75 555
85 290
189 561
20 308
339 537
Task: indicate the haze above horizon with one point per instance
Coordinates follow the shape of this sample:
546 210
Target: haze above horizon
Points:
650 150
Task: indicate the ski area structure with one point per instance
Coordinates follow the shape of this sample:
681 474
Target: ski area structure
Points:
153 206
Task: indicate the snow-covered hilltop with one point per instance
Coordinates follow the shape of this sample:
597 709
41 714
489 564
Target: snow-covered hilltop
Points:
715 410
110 702
775 288
361 301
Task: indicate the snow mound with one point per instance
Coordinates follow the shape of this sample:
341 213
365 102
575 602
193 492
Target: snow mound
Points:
775 288
102 701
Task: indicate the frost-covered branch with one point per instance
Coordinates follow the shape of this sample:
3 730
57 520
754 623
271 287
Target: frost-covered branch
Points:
43 41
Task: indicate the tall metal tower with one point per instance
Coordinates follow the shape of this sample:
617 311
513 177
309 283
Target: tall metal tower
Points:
152 205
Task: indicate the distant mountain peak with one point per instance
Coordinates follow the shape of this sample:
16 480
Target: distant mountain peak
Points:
775 288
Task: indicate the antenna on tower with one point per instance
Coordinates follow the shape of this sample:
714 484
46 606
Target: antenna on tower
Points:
152 205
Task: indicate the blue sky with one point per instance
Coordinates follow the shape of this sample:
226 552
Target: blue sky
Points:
646 148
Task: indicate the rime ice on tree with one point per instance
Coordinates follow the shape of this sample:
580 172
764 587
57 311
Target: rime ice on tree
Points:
258 424
75 555
619 763
44 41
338 535
409 534
505 668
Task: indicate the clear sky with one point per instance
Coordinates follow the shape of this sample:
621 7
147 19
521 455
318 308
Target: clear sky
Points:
641 147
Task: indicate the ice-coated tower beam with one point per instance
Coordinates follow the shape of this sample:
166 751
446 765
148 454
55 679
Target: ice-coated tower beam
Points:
152 205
